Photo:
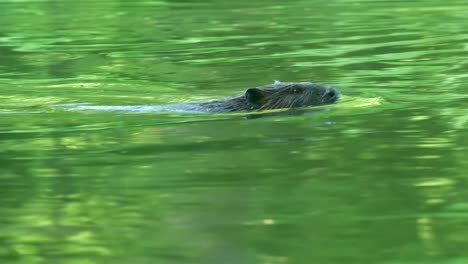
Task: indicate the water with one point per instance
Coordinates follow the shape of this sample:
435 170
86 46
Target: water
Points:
378 178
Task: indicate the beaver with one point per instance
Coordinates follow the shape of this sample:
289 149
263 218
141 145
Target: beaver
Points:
273 96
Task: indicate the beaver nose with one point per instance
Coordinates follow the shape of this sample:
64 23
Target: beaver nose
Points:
331 94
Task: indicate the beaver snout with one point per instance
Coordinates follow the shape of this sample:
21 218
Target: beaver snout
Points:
331 95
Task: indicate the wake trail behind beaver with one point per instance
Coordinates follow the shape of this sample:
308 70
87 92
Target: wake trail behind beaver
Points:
179 108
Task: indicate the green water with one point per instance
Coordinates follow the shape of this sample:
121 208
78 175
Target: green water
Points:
380 177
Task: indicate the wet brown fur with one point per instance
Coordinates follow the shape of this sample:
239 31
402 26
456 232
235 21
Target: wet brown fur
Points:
273 96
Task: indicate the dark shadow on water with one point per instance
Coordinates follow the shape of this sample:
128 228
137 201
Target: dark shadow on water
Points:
288 112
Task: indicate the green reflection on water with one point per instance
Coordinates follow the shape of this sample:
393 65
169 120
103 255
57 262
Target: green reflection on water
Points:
378 178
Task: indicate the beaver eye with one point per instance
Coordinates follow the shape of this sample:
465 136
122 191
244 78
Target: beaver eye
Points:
295 90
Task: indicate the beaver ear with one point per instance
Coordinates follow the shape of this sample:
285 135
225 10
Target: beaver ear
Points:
254 96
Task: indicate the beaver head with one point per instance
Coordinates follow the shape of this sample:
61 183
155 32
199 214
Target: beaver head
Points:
289 95
273 96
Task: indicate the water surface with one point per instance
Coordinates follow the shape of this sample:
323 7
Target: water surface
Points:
378 178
